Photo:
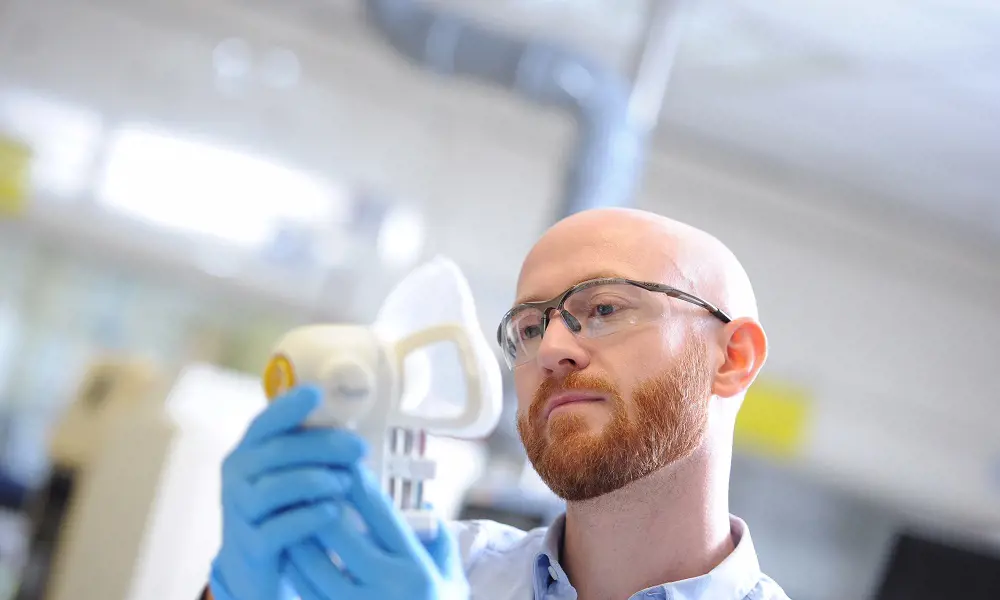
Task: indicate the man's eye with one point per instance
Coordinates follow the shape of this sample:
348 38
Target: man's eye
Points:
604 310
531 331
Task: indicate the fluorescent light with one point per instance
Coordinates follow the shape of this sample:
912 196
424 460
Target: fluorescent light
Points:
196 187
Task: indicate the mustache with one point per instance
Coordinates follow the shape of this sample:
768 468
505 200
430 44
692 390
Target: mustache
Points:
574 381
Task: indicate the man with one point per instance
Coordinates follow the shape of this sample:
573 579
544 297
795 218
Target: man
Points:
632 340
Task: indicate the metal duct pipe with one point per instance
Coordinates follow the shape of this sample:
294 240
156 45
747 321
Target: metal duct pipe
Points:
654 62
605 165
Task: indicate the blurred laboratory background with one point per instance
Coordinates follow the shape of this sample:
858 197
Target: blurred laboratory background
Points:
182 182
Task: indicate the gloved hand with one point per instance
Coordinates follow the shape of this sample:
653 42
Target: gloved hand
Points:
281 485
385 562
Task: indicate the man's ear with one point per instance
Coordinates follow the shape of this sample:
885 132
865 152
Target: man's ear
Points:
745 351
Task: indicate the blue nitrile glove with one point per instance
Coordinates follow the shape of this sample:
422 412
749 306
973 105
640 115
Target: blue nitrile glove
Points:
388 562
281 485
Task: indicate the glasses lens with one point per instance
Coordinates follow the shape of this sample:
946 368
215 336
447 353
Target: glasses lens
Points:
609 308
600 310
521 335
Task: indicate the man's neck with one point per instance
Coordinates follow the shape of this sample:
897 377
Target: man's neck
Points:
670 526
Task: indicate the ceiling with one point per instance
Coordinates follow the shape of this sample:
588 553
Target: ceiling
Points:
899 99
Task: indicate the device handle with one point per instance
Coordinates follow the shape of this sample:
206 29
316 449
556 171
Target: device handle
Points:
474 398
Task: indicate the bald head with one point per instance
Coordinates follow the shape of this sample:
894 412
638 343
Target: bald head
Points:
638 245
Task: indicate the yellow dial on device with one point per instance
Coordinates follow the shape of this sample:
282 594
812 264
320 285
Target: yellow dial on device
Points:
279 376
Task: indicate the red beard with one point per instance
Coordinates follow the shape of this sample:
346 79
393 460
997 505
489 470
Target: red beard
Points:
670 414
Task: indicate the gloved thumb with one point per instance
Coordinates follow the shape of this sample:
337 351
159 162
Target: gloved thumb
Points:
443 550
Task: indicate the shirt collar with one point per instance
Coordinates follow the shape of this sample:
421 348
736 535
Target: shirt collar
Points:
733 578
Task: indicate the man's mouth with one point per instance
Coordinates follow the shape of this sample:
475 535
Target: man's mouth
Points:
571 397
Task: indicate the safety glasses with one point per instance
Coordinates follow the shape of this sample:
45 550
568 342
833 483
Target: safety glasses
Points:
590 309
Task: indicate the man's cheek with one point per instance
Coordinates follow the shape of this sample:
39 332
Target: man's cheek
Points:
525 393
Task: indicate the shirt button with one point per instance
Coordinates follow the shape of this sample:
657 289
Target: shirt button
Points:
553 574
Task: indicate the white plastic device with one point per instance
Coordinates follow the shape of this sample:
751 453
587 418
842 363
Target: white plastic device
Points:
390 383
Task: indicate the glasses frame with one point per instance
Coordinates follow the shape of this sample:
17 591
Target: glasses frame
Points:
573 324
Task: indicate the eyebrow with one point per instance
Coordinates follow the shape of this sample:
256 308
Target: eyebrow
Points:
591 276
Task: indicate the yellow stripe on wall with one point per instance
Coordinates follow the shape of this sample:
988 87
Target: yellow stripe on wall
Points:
774 420
15 174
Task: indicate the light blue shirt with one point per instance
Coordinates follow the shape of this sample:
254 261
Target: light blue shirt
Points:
504 563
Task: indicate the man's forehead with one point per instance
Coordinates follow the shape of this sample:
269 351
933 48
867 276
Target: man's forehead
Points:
546 281
558 283
633 245
589 247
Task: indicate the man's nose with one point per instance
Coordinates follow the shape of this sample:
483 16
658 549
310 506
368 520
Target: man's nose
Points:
560 352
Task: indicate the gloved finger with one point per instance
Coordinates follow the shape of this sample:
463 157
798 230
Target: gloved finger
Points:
384 522
285 489
443 550
428 536
303 586
284 414
361 556
285 529
318 568
313 447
